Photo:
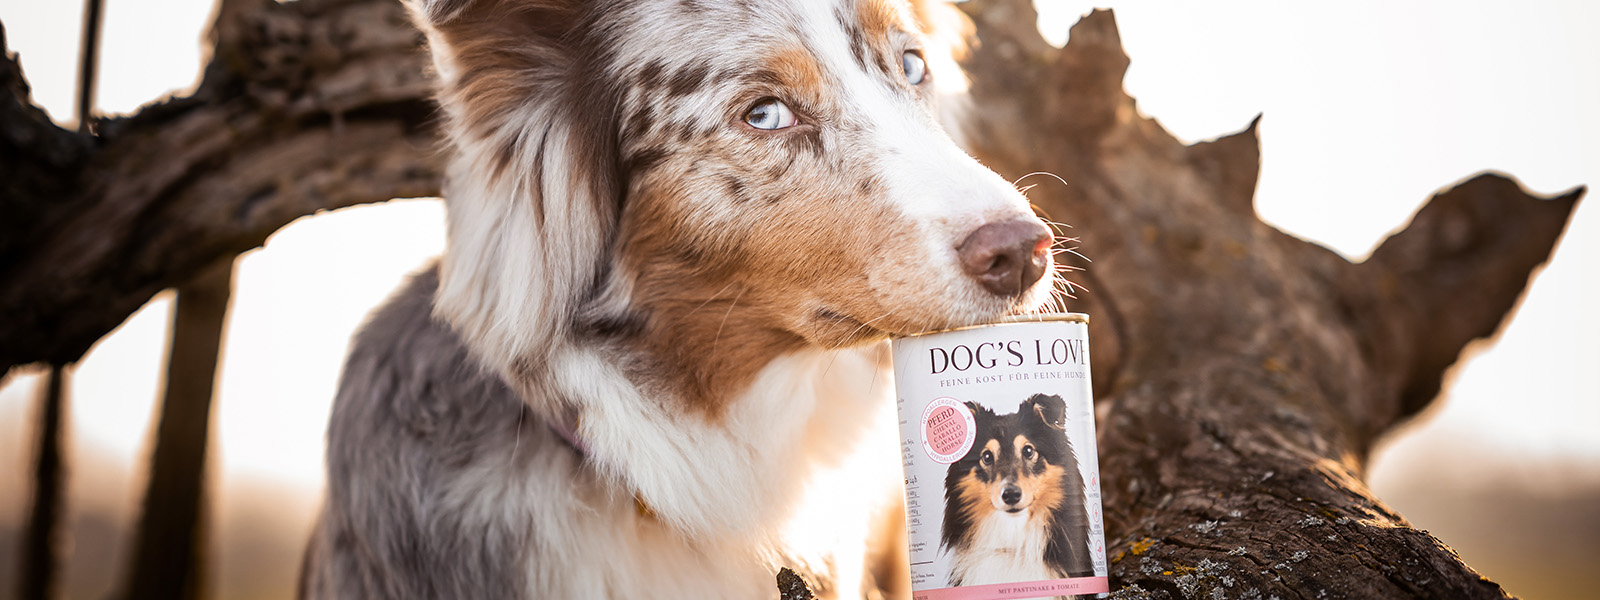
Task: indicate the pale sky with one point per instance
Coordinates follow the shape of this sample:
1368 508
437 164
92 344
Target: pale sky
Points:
1369 107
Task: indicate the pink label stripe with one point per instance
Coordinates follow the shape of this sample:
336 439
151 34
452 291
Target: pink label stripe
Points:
1014 591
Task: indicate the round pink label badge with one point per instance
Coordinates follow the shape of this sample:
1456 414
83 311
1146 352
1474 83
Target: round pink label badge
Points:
948 430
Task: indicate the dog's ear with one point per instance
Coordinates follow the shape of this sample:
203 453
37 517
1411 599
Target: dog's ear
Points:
1050 409
948 35
981 415
532 189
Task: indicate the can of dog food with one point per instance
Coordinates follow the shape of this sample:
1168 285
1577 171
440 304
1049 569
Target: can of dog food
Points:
1002 475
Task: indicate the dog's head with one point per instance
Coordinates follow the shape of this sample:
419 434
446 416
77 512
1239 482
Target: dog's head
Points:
677 168
1018 464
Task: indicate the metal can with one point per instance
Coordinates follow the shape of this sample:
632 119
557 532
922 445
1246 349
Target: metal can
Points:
1002 476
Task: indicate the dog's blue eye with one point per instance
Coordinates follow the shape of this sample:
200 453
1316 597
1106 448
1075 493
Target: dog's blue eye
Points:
770 114
916 69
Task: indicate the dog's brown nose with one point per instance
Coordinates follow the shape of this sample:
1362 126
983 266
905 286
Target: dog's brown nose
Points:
1008 256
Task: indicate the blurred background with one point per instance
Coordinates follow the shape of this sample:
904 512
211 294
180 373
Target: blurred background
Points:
1369 107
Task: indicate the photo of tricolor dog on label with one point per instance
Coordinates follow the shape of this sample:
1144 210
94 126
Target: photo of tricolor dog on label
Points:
1002 478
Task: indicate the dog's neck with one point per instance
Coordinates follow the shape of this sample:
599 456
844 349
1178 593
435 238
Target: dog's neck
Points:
744 468
1003 547
707 356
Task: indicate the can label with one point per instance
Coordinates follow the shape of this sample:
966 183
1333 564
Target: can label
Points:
1002 475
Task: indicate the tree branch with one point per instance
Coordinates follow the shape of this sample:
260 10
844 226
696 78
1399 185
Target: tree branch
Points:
1445 279
1252 371
307 106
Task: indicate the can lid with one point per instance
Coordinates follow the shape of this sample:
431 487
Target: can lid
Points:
1014 319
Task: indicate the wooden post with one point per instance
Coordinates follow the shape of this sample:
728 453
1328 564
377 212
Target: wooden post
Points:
39 552
89 62
168 545
41 542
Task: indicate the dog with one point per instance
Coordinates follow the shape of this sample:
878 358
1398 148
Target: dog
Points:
1014 505
651 361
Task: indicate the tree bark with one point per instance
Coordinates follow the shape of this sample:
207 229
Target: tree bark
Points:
305 106
1242 375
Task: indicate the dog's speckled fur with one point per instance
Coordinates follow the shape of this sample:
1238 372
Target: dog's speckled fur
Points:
704 300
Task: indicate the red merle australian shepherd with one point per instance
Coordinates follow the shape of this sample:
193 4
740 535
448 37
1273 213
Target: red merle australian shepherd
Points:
650 363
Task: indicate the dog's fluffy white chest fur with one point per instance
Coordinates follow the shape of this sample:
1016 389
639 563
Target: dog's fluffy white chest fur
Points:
1005 548
793 476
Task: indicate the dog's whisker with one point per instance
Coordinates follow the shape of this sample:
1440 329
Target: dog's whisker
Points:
1057 257
841 344
1060 275
1073 250
1053 175
718 338
844 340
714 296
1062 296
841 318
522 413
865 324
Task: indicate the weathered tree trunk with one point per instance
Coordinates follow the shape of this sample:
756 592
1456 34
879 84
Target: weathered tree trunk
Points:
1242 374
